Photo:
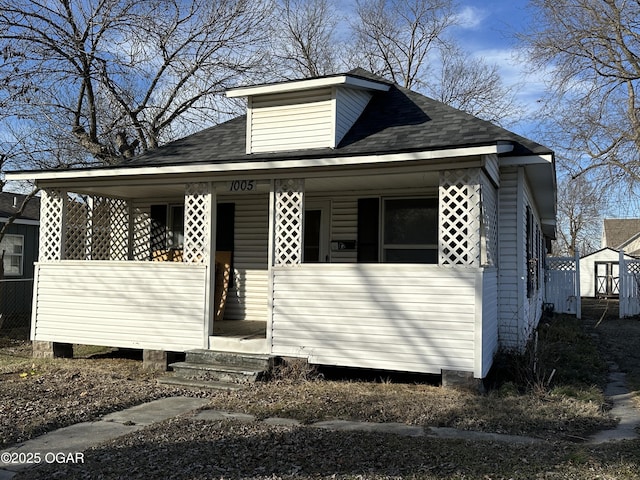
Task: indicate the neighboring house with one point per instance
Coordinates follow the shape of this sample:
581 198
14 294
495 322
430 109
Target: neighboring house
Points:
600 273
364 225
622 234
20 248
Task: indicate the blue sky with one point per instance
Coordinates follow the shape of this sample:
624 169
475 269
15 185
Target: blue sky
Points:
488 31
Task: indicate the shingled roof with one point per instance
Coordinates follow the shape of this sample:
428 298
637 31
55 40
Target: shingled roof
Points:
11 202
617 232
398 120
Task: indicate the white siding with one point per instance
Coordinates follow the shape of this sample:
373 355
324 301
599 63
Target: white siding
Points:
489 343
534 303
350 104
633 247
248 297
149 305
492 168
291 121
510 253
518 314
419 318
489 225
344 226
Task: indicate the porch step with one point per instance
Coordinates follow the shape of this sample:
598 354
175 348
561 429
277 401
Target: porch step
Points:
221 367
246 360
201 384
221 373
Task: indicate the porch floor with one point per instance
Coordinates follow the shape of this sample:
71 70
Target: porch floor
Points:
246 329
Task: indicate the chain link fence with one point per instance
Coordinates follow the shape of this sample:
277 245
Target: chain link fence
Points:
15 308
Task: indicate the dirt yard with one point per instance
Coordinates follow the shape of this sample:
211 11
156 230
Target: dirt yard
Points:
37 396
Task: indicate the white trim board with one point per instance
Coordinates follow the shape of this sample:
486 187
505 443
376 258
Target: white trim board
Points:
344 80
277 164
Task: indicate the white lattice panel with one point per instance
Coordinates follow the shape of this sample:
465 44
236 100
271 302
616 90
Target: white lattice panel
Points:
460 217
51 235
110 232
289 205
560 264
197 215
96 228
633 267
77 229
141 235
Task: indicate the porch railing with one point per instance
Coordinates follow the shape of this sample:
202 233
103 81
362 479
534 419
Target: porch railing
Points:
147 305
421 318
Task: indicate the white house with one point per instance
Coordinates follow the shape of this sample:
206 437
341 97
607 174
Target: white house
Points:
365 225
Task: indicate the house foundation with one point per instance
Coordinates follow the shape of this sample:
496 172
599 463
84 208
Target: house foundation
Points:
52 349
155 360
461 380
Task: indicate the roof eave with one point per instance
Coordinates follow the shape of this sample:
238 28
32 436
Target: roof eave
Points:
309 84
249 165
541 170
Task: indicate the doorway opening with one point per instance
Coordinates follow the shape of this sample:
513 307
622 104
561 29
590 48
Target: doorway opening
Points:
316 232
607 279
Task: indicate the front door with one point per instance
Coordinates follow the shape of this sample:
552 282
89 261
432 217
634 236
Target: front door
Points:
607 279
316 232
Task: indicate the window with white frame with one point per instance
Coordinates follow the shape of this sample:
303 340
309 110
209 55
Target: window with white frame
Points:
13 248
410 230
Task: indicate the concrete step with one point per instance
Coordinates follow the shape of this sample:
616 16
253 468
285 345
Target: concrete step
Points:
220 373
244 360
201 384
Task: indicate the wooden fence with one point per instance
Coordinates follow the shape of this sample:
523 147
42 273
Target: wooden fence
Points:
629 286
562 284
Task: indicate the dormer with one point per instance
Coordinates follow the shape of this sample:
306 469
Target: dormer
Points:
303 114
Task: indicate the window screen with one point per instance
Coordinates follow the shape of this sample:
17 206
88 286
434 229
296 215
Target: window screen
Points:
410 230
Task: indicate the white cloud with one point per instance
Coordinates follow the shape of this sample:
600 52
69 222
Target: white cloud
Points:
471 17
516 71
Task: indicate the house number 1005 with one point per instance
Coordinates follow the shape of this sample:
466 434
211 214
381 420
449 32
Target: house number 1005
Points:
242 185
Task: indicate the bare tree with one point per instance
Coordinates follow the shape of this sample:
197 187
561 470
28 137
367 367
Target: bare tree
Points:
470 84
580 212
408 42
591 51
304 38
395 38
111 78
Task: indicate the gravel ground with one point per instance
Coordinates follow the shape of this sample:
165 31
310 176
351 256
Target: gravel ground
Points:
189 448
39 396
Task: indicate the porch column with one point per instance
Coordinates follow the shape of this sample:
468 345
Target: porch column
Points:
288 217
459 217
53 214
52 209
200 241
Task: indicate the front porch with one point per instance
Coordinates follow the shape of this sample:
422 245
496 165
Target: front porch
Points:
113 271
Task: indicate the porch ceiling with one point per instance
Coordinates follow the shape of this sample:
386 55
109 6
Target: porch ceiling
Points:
379 181
344 182
134 191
